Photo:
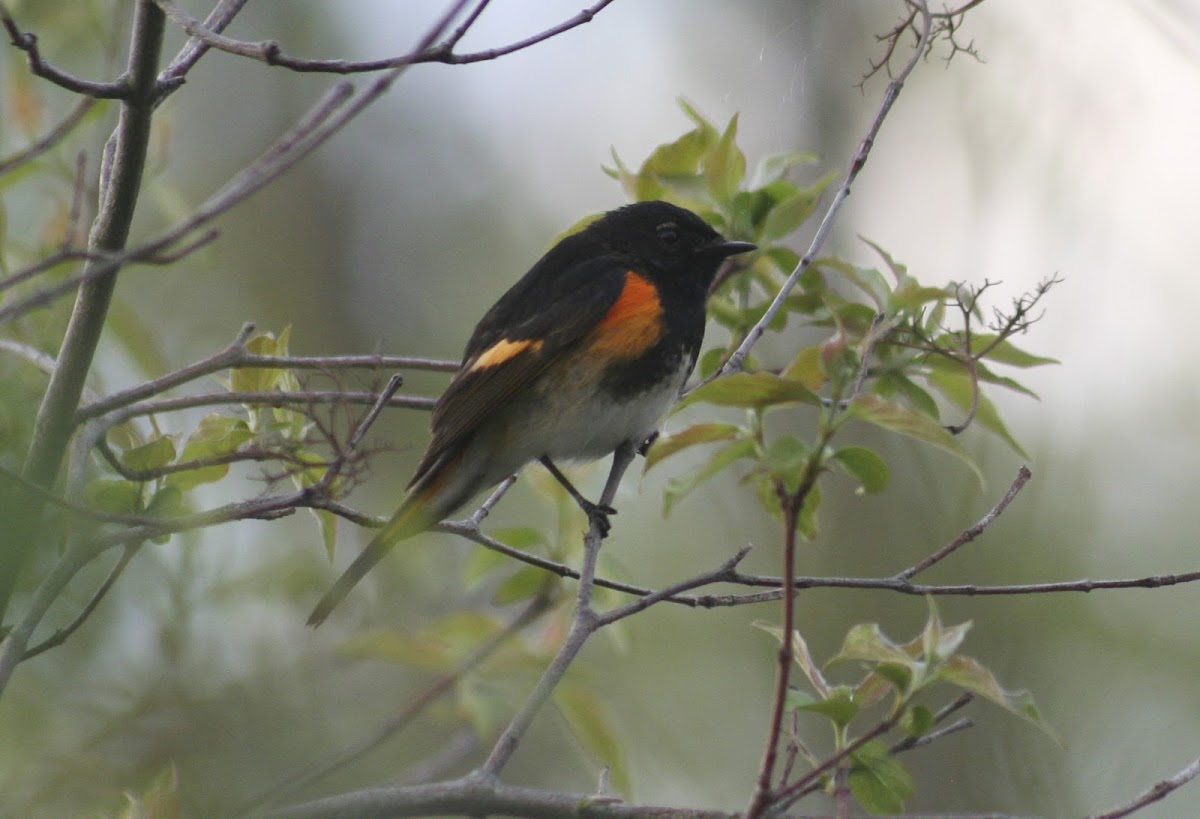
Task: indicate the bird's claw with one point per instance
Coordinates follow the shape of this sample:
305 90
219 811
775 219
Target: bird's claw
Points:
597 515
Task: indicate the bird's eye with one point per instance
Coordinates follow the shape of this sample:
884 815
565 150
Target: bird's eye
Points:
667 233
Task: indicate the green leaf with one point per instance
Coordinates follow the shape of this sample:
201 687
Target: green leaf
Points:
166 503
800 654
725 165
839 707
327 525
939 642
868 280
911 294
214 435
956 386
878 781
666 445
750 390
119 497
587 717
967 672
917 720
789 214
786 459
680 487
897 418
866 641
480 565
682 156
1005 352
920 399
776 166
806 368
154 455
261 379
866 466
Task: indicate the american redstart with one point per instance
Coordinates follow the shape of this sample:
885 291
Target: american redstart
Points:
580 358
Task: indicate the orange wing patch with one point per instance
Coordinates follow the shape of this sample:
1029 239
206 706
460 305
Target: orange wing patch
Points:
504 350
633 324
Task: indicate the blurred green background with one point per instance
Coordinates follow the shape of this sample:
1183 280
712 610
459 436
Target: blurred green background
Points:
1068 149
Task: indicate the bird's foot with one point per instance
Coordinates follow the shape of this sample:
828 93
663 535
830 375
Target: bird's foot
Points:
597 515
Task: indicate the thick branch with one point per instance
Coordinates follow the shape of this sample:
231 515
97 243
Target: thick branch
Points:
55 417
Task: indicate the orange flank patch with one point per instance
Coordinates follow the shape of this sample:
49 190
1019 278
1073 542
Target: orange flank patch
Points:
634 323
504 350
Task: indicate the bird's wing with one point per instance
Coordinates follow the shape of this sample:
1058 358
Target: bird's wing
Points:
531 326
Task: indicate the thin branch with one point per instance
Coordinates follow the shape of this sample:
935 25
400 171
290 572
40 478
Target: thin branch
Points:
195 48
722 573
972 532
265 399
237 356
28 42
737 358
60 635
1160 790
50 139
584 622
271 52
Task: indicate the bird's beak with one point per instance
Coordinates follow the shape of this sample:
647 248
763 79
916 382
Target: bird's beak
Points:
726 248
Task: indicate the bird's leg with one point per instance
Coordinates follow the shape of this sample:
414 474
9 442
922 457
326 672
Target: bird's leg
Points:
597 512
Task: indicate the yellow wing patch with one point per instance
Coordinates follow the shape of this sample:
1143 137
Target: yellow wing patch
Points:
503 350
633 324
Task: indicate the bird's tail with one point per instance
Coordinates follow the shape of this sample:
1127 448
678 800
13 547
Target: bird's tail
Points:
426 504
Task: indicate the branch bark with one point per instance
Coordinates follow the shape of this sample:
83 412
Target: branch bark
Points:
55 419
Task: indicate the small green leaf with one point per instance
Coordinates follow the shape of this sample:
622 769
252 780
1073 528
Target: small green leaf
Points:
920 399
680 487
116 496
666 445
785 460
776 166
214 435
261 379
956 386
897 418
480 565
878 781
866 641
1005 352
751 390
967 672
911 294
868 280
327 525
789 215
917 720
725 165
588 719
839 707
154 455
866 466
710 362
806 368
801 655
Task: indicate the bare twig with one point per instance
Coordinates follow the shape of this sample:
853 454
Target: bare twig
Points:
737 358
50 139
195 48
236 356
972 532
60 635
265 399
28 43
1160 790
271 53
